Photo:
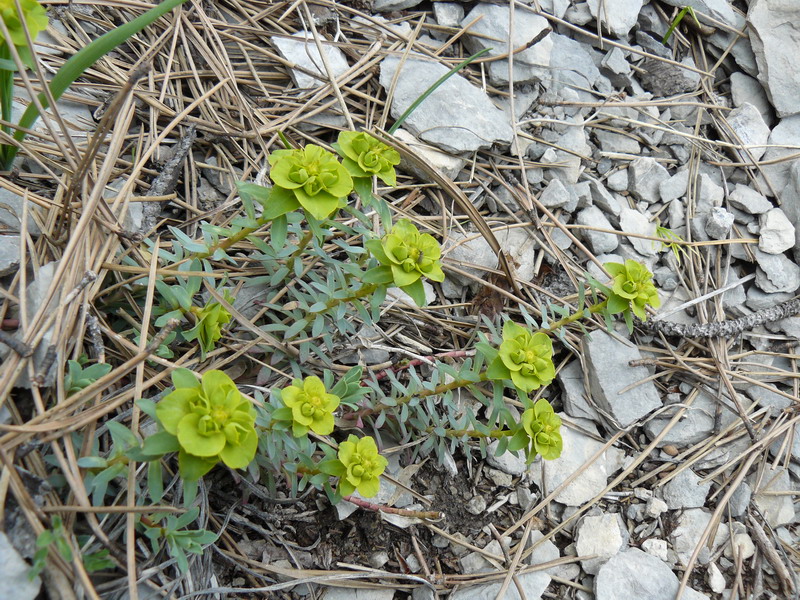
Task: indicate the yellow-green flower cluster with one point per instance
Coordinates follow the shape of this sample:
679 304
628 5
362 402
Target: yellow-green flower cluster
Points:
364 156
363 466
524 357
313 176
34 17
406 255
311 405
211 420
543 427
632 288
210 319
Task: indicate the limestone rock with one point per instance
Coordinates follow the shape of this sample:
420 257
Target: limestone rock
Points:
774 27
777 234
609 373
458 117
301 50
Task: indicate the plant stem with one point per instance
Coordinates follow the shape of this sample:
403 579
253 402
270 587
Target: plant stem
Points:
439 389
576 316
414 514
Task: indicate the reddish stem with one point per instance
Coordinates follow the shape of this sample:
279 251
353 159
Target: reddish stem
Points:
418 514
420 361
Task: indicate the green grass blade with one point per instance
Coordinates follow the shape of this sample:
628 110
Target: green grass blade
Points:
75 66
675 23
433 88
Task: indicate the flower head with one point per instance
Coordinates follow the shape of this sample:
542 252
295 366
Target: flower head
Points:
210 320
35 19
524 357
312 406
632 288
315 177
212 421
363 466
543 427
364 156
409 254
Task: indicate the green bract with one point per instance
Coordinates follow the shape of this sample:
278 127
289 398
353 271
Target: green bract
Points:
314 176
363 466
406 255
543 427
524 357
364 156
210 320
212 421
35 18
312 406
632 288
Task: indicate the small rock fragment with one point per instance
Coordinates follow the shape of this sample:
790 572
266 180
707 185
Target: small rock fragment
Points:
776 273
685 491
301 50
748 200
600 535
748 124
777 233
719 223
608 362
598 241
632 221
690 525
715 579
645 175
636 574
14 581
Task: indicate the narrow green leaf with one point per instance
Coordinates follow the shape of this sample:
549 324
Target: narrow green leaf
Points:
82 60
433 88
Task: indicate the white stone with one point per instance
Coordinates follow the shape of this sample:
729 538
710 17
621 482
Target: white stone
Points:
776 273
634 574
618 17
300 49
719 9
743 545
598 241
715 579
533 585
449 166
609 373
9 254
777 234
577 449
506 462
655 507
784 135
748 200
14 581
457 117
774 27
718 223
632 221
685 491
656 547
747 89
616 62
645 176
690 525
674 187
748 124
600 535
555 195
391 5
777 509
448 14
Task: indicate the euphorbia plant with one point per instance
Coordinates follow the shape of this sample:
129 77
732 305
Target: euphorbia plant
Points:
211 422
